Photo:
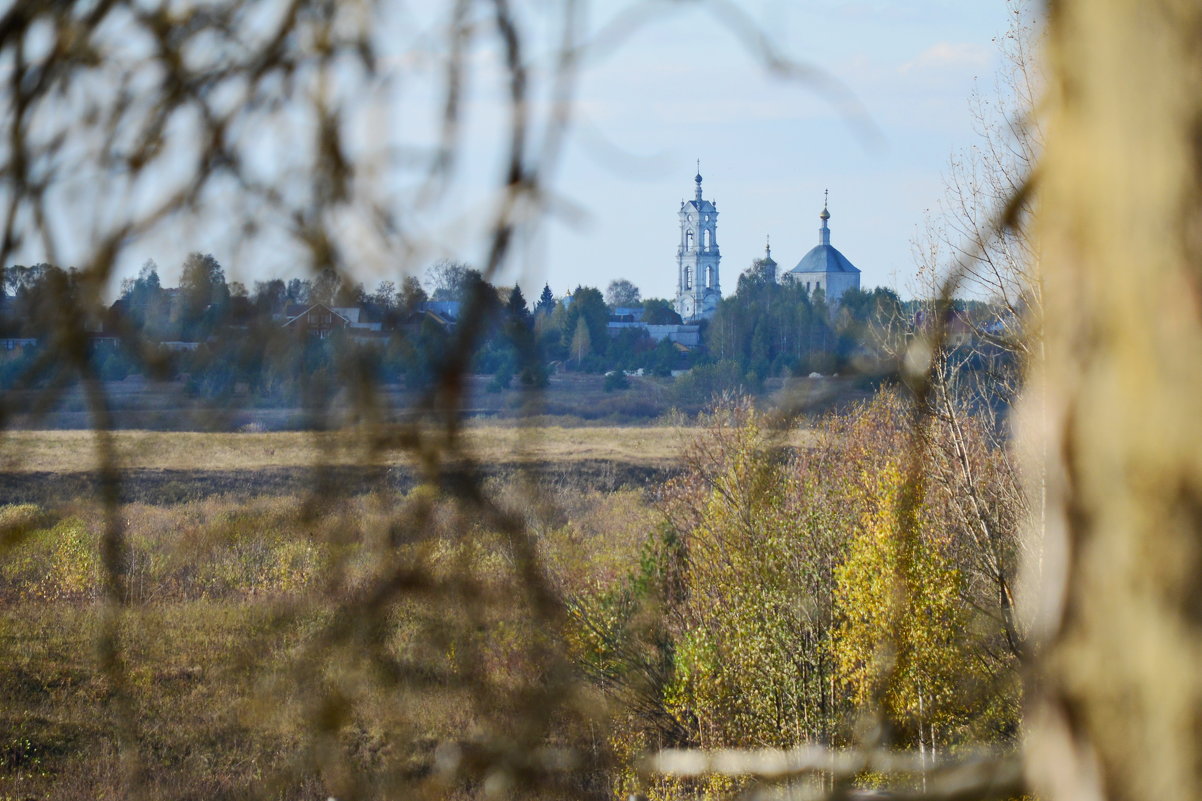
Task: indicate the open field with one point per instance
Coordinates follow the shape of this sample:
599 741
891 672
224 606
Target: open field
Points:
230 647
74 451
52 468
233 578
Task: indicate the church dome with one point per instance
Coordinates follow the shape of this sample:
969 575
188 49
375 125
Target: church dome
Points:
824 259
768 260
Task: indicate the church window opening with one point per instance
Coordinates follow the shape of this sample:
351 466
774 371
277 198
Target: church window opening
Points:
688 276
707 238
688 240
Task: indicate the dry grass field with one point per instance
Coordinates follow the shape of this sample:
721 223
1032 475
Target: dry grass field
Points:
75 451
228 607
230 571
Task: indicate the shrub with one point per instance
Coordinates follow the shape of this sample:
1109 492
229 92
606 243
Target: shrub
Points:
48 564
616 380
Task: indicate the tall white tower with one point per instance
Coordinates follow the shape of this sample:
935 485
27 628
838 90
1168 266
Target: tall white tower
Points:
697 288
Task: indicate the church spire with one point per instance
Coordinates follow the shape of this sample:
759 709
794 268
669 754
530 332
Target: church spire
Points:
824 233
697 179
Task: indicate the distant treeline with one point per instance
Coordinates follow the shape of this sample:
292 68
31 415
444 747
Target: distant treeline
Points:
282 338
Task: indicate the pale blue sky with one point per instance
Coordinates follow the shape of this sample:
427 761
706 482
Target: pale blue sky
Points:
681 88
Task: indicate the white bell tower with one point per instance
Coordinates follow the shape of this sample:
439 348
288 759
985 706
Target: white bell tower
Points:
697 286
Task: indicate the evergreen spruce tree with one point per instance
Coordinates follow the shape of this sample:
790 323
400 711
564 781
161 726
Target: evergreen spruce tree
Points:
516 305
546 301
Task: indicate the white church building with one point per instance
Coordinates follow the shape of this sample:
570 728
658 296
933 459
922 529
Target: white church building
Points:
698 287
824 267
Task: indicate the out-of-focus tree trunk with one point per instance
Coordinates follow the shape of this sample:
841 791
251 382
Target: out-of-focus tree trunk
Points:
1116 710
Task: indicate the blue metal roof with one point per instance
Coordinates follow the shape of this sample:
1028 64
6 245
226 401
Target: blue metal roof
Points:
824 259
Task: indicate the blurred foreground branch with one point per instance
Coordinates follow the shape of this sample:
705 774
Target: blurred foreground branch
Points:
984 777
